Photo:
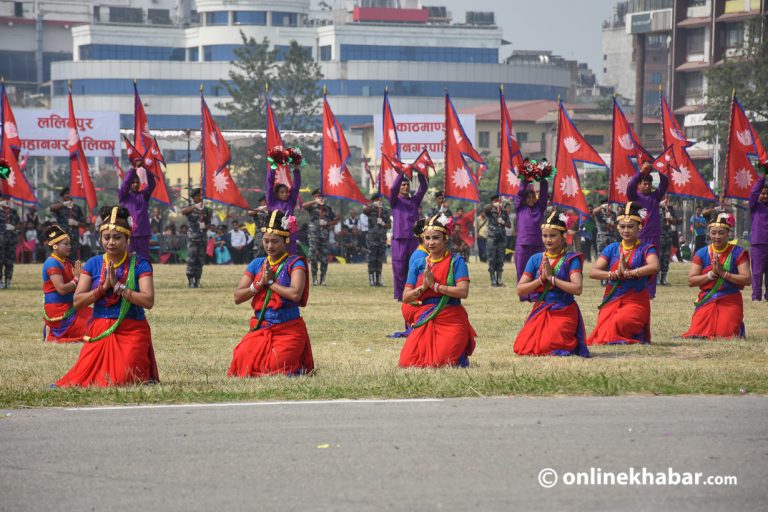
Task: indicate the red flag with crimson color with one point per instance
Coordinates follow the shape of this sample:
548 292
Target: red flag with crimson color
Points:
460 181
685 180
80 183
145 144
463 224
15 184
217 183
389 148
274 139
743 146
571 148
335 178
510 159
626 154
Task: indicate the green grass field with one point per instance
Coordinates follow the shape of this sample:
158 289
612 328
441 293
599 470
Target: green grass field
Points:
194 332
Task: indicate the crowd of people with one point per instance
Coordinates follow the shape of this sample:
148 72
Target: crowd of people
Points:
102 300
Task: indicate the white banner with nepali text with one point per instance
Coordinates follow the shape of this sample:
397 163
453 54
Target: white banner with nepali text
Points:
417 132
45 132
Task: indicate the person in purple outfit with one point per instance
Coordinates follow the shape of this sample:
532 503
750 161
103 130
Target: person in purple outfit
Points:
136 200
640 189
758 240
530 214
405 213
280 197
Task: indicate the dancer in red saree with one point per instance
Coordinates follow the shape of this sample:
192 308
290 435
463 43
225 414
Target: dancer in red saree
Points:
63 323
554 325
721 271
276 285
625 313
441 333
118 345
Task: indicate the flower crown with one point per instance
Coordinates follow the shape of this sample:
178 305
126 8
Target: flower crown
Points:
279 156
533 170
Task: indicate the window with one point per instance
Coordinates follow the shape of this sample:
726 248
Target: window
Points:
96 13
595 140
250 17
217 18
696 3
694 41
159 16
126 15
418 53
693 85
734 35
18 66
18 9
219 52
193 54
484 139
522 136
285 19
605 57
655 41
125 52
194 17
325 53
282 50
655 78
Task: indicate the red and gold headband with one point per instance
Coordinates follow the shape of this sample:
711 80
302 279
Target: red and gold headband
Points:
111 224
270 227
548 222
628 215
54 239
723 220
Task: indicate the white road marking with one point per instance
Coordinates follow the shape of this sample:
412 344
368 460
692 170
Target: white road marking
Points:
253 404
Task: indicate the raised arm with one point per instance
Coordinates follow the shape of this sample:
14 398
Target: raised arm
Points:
755 193
270 192
394 191
151 184
519 199
293 195
663 186
543 194
423 186
634 181
125 186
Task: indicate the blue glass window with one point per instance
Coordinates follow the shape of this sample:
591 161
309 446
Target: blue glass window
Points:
194 54
418 53
217 18
126 52
284 19
219 52
325 53
250 17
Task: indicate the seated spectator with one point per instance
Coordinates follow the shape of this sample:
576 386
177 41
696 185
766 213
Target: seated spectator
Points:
221 250
238 240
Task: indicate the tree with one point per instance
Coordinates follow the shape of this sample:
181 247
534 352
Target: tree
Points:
297 102
747 74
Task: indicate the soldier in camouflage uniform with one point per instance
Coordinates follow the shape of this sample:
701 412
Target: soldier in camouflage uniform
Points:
321 221
376 237
198 219
260 219
70 217
498 219
606 226
668 232
9 237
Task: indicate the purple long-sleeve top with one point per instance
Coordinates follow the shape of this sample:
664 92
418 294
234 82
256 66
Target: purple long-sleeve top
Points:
405 210
650 202
137 203
529 218
287 206
759 213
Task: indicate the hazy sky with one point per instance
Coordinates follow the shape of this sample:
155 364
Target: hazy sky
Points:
571 28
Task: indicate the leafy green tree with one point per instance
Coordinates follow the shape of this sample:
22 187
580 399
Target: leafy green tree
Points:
747 75
298 97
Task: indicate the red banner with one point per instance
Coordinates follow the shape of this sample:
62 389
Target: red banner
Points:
460 181
571 148
335 178
510 159
80 183
389 150
217 183
626 150
146 144
274 139
743 143
16 185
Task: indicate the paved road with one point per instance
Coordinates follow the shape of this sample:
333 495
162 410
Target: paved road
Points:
466 454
